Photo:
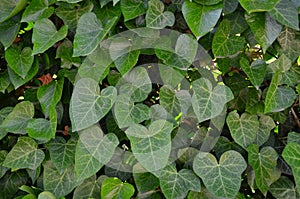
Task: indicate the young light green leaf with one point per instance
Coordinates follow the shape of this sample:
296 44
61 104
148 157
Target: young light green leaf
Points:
208 102
257 5
291 154
57 182
41 130
223 179
9 30
133 8
151 146
290 43
286 13
114 188
24 154
10 8
36 9
90 188
46 195
264 164
266 124
156 17
62 153
45 35
18 119
201 18
87 107
19 61
256 71
243 129
284 188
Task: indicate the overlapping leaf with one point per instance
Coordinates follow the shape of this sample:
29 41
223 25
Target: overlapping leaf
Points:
284 188
9 31
133 8
90 188
256 71
10 8
40 129
37 9
115 188
290 43
257 5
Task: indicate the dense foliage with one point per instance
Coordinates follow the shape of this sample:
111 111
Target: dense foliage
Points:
149 99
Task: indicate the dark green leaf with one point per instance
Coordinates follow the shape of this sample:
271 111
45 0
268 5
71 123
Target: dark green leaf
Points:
11 182
9 31
37 9
90 188
41 130
258 5
114 188
256 72
284 188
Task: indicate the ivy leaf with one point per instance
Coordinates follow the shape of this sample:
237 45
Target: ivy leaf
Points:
207 2
46 195
243 129
11 182
224 43
18 119
230 6
266 124
289 43
65 52
45 35
208 102
87 107
264 164
201 18
90 188
37 9
286 13
114 188
24 154
62 153
264 28
41 130
9 30
291 154
177 184
3 169
133 8
3 114
284 188
19 61
223 179
151 146
293 137
256 72
10 8
70 1
57 182
257 5
169 75
156 17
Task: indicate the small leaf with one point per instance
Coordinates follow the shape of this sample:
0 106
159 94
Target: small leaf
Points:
46 195
207 2
256 72
290 43
35 10
145 181
41 130
24 154
11 182
3 169
87 107
45 35
201 18
156 18
284 188
264 164
114 188
133 8
258 5
293 137
3 114
230 6
65 52
266 124
90 188
223 179
9 30
243 129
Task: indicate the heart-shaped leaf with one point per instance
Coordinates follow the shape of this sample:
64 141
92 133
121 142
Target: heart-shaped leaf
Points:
223 179
24 155
264 164
115 188
10 8
243 129
256 72
289 42
90 188
9 30
201 18
151 146
3 114
208 102
37 9
284 188
266 124
87 106
41 130
133 8
145 181
156 17
258 5
45 35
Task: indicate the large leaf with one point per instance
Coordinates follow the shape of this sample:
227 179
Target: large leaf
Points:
223 179
114 188
291 154
156 17
24 154
90 188
264 164
243 129
9 8
133 8
208 102
87 107
177 184
201 18
45 35
9 31
284 188
255 72
17 120
258 5
151 146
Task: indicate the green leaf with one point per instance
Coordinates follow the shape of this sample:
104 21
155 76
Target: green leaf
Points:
87 107
57 182
207 2
133 8
70 1
3 169
223 179
36 10
290 43
266 124
264 28
230 6
258 5
19 61
225 44
284 188
46 195
283 64
10 8
9 30
169 75
18 119
24 154
151 146
201 18
256 72
114 188
293 137
243 129
3 114
90 188
68 14
286 13
145 181
177 184
65 52
62 153
264 164
208 102
156 18
45 35
11 182
291 154
40 129
4 82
